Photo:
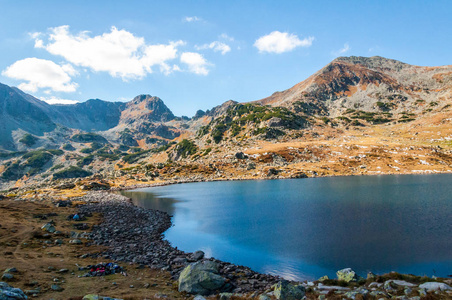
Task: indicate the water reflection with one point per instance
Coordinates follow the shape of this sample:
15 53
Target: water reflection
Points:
308 228
151 201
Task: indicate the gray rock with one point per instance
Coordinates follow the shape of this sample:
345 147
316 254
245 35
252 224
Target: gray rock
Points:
241 155
379 293
226 296
58 242
264 297
400 283
251 166
360 291
390 286
179 260
422 292
75 241
199 297
7 292
284 290
347 275
332 287
11 270
7 276
435 286
32 292
49 227
63 271
56 288
407 291
201 278
375 284
198 255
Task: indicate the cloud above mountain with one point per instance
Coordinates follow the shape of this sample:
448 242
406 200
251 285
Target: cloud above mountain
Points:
118 52
42 74
216 46
196 63
342 51
280 42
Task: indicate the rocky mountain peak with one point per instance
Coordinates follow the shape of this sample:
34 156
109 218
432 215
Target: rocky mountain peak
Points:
146 108
374 62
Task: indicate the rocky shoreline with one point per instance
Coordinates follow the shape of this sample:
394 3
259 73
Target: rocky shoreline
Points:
135 234
124 233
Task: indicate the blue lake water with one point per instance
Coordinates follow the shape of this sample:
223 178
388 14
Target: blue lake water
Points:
306 228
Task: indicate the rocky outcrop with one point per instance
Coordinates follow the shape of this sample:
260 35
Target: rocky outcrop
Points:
145 108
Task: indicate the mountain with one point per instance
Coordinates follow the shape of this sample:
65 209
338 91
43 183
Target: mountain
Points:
21 113
91 115
145 108
367 84
357 115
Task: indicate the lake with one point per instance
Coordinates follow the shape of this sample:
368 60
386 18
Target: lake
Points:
306 228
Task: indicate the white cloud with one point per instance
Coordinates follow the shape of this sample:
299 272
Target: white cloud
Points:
343 50
226 37
216 46
196 63
54 100
191 19
280 42
41 73
118 52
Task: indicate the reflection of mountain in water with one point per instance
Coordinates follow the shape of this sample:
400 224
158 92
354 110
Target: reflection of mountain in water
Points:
151 201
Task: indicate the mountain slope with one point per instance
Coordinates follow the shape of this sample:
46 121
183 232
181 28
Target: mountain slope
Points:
92 115
20 113
368 84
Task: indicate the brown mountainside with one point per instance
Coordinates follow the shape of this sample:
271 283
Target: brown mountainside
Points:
361 82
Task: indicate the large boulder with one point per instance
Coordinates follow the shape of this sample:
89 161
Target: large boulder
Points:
201 278
435 286
7 292
347 275
284 290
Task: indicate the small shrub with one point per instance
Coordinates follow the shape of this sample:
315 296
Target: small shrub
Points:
72 172
28 140
186 148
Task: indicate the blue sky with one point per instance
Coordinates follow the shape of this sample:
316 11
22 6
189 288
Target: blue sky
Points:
198 54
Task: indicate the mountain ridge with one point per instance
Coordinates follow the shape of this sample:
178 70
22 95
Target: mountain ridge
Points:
376 102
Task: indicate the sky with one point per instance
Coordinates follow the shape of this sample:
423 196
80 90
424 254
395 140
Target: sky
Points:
199 54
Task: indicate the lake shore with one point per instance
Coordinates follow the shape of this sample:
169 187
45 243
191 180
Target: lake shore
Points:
125 233
135 234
